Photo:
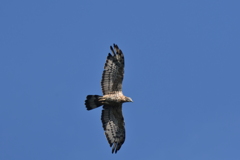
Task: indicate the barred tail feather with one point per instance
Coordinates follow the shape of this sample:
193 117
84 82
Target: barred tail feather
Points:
92 102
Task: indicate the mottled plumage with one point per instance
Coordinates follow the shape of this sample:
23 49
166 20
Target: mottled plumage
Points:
112 99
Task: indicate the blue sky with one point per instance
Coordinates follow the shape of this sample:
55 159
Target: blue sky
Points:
182 72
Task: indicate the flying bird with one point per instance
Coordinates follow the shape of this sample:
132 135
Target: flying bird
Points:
112 99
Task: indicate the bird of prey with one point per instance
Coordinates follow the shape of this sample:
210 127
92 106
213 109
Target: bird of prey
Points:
112 99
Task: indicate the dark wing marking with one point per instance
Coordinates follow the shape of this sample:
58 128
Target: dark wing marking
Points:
113 125
112 76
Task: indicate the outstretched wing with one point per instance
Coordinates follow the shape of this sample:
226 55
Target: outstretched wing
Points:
112 76
113 125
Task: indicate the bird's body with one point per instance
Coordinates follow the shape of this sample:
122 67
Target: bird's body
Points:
112 99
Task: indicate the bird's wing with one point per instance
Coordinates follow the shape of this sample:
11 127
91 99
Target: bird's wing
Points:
112 76
113 125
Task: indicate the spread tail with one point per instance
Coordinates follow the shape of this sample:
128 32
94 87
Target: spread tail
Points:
92 102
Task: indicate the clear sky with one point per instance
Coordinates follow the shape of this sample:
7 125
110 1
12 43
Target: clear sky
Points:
182 62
